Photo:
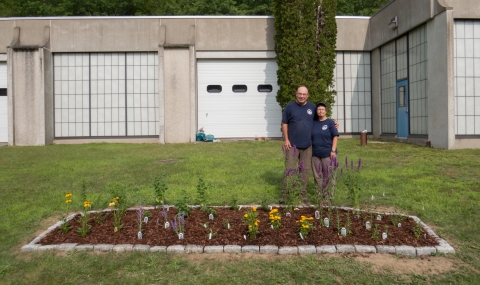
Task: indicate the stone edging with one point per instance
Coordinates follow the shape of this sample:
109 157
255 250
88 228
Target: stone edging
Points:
443 246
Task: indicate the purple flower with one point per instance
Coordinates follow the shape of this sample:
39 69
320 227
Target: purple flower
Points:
346 161
295 151
174 223
300 166
359 163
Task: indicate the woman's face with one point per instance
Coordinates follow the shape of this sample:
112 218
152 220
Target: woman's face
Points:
321 111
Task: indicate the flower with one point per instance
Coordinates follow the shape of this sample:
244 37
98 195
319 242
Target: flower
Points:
112 203
87 204
68 201
254 209
245 216
68 194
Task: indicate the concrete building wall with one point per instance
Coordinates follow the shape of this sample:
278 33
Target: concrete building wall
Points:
6 35
440 74
352 33
177 95
463 9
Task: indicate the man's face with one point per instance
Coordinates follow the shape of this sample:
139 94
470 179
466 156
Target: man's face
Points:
302 95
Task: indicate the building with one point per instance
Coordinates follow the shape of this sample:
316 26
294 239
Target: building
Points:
411 72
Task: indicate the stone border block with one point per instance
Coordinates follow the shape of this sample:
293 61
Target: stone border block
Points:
232 249
426 250
251 248
193 248
103 247
176 249
386 249
30 247
141 247
326 249
307 249
345 248
47 247
288 250
213 249
269 249
66 246
443 246
405 250
83 247
365 248
122 247
158 248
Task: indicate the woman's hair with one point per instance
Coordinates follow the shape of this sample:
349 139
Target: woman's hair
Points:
315 115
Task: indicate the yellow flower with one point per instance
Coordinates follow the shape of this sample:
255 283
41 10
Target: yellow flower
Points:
87 204
274 211
254 209
249 226
117 198
68 194
305 226
112 203
68 201
245 216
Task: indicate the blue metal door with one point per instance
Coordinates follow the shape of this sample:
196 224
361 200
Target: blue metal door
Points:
402 109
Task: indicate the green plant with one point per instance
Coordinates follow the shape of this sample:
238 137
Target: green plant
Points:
338 221
140 216
65 227
264 205
348 225
182 204
350 176
417 230
100 217
226 224
160 187
375 232
147 214
274 217
117 213
305 226
212 234
233 204
250 219
202 189
292 181
83 219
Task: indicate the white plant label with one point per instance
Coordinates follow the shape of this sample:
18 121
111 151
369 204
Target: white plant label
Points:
145 220
399 225
210 217
210 236
167 225
228 226
384 236
180 236
288 214
244 237
301 235
343 232
317 215
271 226
368 225
139 235
326 222
379 217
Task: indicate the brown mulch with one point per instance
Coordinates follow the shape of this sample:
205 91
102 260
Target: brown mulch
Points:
154 233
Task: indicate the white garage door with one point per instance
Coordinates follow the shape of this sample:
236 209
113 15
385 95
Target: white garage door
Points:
236 98
3 103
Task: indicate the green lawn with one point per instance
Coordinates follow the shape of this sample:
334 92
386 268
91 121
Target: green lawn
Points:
441 187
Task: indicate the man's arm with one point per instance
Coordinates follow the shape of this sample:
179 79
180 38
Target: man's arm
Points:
286 141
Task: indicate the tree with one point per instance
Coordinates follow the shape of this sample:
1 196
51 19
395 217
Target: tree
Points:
305 37
360 7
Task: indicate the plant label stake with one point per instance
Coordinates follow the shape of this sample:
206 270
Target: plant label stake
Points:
343 232
167 225
245 237
317 215
145 220
210 217
228 226
399 225
239 208
301 236
139 235
326 222
288 214
270 208
180 236
210 236
368 226
379 217
271 226
384 235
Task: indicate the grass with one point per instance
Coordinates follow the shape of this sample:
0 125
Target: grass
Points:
441 187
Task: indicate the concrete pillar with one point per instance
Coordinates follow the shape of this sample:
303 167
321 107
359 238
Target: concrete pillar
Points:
376 93
30 92
441 81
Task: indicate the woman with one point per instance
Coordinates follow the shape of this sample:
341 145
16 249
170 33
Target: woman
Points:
324 141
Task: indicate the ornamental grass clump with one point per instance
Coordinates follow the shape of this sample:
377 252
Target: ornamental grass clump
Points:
83 220
305 226
274 218
65 226
250 219
160 187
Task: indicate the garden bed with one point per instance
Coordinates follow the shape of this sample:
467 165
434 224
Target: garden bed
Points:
198 227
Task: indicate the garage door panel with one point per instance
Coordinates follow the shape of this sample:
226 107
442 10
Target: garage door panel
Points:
229 114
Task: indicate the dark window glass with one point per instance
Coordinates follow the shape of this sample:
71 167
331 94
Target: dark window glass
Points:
239 88
214 88
3 91
265 88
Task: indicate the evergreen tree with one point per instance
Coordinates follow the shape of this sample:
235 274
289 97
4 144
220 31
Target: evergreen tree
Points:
305 38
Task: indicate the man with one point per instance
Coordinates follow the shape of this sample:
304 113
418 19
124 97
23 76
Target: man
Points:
297 120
